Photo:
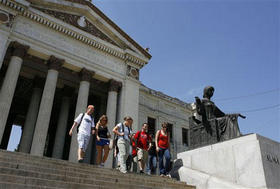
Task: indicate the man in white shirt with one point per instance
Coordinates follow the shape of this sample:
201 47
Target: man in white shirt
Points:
85 129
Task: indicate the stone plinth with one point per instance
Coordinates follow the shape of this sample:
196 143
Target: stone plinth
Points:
251 161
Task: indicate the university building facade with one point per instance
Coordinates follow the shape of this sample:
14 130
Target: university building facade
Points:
56 57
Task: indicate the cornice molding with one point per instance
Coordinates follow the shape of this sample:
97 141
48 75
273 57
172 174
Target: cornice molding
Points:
161 95
70 33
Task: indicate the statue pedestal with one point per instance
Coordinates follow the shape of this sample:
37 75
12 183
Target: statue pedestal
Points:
250 161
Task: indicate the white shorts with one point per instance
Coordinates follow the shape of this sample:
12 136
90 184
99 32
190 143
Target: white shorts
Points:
83 141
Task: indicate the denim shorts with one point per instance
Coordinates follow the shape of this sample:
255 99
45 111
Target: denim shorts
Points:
102 142
83 141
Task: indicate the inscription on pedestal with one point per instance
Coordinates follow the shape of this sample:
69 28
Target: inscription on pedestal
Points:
272 159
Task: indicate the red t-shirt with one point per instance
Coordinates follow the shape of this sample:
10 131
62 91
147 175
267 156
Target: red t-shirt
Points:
134 152
143 139
163 141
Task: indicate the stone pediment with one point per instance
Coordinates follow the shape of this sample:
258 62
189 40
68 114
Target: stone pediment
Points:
76 21
95 23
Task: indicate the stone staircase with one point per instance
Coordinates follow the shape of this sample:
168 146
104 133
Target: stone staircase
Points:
20 170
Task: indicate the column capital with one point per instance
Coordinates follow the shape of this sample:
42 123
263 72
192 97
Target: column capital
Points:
55 63
114 85
86 75
19 49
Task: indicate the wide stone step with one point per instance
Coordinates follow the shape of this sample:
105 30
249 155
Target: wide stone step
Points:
7 185
64 178
64 172
85 178
112 175
20 158
30 181
93 180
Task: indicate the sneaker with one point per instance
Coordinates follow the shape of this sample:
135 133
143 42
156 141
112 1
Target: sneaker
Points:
162 175
102 164
123 171
80 160
141 172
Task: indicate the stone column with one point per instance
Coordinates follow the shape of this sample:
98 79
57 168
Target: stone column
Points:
112 113
89 151
10 82
80 108
44 115
31 117
62 124
129 101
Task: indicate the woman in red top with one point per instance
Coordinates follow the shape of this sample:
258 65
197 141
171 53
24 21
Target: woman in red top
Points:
162 146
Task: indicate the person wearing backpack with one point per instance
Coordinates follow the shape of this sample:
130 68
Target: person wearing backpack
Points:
142 140
85 127
123 132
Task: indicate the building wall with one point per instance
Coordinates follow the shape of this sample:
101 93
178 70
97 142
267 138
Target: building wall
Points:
164 108
40 32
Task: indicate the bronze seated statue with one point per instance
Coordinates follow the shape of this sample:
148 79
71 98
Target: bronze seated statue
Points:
210 125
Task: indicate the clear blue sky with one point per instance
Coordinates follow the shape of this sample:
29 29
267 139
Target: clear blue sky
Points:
230 44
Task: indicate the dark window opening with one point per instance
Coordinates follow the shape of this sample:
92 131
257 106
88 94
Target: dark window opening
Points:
185 136
152 126
170 130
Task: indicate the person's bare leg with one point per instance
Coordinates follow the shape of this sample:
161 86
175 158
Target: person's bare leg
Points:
106 152
99 154
140 165
81 154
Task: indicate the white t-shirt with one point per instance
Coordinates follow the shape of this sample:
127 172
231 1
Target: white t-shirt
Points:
126 131
86 124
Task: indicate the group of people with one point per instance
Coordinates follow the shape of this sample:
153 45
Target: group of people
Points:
130 148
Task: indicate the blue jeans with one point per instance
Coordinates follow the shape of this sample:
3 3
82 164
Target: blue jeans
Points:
164 169
152 164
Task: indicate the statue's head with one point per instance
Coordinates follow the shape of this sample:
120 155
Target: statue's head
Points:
208 92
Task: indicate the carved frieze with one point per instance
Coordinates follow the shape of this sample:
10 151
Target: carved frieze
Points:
79 22
133 72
